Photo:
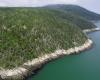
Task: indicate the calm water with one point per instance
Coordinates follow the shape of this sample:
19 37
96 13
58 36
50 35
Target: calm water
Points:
84 66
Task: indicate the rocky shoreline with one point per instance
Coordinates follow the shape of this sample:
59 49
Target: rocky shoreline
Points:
29 67
91 30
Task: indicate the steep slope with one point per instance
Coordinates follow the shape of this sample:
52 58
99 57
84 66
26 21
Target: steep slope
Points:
76 20
26 33
76 10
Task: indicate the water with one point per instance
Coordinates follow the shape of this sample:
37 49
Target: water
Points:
84 66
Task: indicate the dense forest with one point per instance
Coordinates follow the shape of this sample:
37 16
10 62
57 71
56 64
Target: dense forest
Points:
26 33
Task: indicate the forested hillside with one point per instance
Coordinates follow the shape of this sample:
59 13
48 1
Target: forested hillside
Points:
26 33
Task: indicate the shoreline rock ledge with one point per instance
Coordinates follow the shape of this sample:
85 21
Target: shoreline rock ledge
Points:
91 30
27 68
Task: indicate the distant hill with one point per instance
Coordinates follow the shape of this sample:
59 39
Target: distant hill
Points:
26 33
76 10
74 19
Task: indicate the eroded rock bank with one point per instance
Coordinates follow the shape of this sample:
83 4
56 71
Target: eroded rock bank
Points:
27 68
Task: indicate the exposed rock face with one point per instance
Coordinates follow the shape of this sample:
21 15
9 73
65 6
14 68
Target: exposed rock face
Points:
27 68
91 30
